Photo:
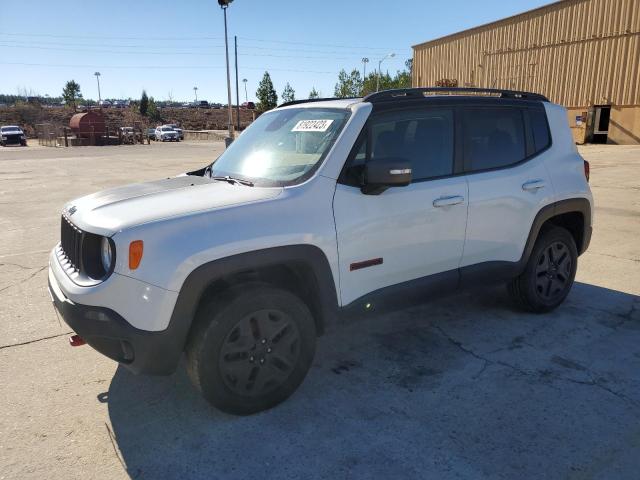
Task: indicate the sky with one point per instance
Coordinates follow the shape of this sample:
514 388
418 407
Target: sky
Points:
170 47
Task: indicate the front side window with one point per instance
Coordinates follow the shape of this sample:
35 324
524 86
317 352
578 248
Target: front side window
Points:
424 138
282 147
493 137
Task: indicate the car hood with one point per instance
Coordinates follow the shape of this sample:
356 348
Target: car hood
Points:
110 211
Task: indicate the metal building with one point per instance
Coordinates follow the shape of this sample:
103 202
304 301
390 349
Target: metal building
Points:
583 54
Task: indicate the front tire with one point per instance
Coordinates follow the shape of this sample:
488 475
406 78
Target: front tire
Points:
251 347
549 274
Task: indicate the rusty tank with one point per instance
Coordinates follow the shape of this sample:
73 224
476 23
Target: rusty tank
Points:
88 124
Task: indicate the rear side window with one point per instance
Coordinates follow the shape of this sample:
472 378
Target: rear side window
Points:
493 137
540 128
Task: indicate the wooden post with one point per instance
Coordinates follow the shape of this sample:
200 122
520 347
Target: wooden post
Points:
66 139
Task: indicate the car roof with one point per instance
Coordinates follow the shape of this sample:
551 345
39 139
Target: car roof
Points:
11 126
418 95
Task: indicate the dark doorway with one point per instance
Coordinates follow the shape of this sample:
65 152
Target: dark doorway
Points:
601 123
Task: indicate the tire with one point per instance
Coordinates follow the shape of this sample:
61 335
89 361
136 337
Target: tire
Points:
250 348
549 274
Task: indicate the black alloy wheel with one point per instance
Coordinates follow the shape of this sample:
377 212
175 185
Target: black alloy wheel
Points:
259 353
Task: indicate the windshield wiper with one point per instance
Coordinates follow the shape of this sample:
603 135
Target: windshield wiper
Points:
232 180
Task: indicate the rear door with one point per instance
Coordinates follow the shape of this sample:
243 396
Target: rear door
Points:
404 233
508 181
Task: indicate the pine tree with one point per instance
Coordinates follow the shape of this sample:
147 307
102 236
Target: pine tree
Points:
266 94
349 85
71 92
152 111
313 94
144 103
288 94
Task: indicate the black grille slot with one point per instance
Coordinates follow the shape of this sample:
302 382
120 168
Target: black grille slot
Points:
71 242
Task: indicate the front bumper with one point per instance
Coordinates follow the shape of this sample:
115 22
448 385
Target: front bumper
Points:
153 349
154 353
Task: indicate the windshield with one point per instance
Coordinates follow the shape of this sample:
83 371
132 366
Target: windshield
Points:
10 129
282 147
167 129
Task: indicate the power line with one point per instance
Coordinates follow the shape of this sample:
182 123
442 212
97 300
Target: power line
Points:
318 44
199 38
162 67
25 44
164 53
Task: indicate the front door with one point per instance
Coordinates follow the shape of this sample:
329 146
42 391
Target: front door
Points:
404 233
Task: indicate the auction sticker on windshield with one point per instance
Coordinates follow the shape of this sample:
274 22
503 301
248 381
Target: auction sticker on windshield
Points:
312 126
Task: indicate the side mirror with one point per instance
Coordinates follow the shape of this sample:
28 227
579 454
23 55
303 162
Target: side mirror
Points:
383 173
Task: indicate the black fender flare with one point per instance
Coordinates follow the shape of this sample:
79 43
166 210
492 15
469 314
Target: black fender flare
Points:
203 276
579 205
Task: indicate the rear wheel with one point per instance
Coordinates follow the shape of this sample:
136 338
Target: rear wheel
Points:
251 348
549 274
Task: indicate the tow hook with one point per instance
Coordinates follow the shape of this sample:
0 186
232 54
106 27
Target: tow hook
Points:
76 341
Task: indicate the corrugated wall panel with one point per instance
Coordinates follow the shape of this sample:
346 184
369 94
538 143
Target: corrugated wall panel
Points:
577 52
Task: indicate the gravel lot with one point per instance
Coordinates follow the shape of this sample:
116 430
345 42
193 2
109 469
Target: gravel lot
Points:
465 387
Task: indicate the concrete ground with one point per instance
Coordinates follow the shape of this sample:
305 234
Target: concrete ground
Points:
465 387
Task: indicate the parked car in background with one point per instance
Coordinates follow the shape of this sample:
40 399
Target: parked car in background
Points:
216 106
104 103
12 135
118 104
164 134
151 133
177 129
203 104
248 105
186 105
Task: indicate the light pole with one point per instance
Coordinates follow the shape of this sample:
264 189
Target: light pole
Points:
97 74
195 92
365 60
224 4
388 55
246 98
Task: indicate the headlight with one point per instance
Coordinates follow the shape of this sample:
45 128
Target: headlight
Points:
3 137
106 255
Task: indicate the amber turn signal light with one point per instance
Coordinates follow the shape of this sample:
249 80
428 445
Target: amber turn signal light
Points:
135 254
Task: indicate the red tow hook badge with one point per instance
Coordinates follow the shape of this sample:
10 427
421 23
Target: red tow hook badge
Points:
76 341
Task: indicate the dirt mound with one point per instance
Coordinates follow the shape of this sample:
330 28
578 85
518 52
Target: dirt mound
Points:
28 116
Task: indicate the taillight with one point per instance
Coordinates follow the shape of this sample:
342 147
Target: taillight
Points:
587 170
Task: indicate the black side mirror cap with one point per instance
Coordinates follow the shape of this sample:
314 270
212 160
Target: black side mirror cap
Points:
383 173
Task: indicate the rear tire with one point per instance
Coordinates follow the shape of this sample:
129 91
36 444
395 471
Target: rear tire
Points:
250 348
549 274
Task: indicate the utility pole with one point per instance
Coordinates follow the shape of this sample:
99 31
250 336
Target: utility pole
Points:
365 60
195 91
224 4
235 39
388 55
97 74
246 98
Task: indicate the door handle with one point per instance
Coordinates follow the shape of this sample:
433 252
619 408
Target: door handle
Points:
533 185
448 201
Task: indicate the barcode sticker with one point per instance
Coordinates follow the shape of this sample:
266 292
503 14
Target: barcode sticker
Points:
312 126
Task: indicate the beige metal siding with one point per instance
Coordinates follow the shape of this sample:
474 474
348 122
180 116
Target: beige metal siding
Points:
576 52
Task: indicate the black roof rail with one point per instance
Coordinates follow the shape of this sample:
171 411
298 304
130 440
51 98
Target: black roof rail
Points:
310 100
414 93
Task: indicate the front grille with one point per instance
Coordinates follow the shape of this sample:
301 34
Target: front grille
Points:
71 242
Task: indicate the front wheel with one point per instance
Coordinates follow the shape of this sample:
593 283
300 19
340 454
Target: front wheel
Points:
251 347
549 274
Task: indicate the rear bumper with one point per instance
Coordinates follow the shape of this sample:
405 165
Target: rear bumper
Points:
141 351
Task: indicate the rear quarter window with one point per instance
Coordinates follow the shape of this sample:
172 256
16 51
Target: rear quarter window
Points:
540 128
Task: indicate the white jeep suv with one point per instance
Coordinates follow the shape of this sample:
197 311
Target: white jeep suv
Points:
317 208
